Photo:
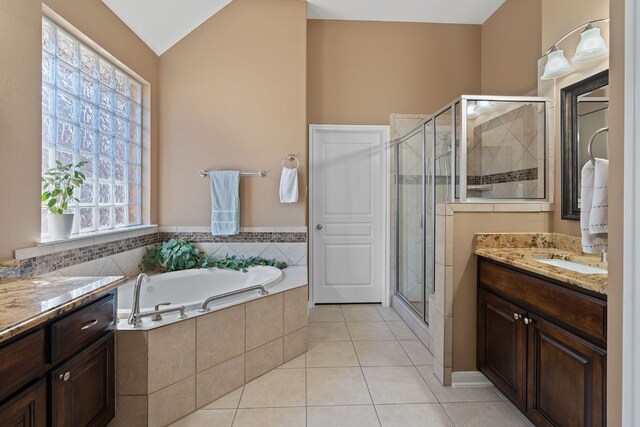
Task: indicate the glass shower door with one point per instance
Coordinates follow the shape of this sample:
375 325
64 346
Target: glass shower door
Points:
410 182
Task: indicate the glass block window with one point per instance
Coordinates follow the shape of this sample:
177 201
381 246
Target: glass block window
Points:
92 112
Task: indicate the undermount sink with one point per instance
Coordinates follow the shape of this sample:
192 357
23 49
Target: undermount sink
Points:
573 266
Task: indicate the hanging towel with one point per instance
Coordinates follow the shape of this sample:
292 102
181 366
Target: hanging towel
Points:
225 203
289 185
599 219
591 243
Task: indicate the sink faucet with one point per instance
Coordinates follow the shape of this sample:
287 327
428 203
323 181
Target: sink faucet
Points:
135 307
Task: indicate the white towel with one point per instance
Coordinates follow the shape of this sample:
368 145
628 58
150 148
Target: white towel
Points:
591 243
225 203
599 220
289 185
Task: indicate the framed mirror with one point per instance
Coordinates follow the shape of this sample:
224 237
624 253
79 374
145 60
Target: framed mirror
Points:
585 109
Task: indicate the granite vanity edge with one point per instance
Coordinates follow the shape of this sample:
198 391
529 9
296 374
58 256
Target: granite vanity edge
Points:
42 317
595 283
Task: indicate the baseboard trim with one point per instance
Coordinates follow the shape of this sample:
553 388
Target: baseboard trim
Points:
469 379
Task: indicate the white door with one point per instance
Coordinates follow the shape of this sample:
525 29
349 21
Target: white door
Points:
347 212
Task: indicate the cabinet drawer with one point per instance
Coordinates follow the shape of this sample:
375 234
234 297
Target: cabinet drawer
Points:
582 312
81 328
21 361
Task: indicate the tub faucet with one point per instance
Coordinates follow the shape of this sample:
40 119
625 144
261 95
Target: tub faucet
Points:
135 307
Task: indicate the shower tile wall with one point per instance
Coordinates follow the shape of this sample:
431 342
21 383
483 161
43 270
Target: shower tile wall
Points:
507 153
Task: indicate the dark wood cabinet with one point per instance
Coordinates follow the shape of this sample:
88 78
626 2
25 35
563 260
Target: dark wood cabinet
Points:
566 378
61 373
533 347
27 409
502 345
82 390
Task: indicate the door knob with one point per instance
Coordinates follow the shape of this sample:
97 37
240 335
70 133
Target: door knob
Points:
65 376
319 227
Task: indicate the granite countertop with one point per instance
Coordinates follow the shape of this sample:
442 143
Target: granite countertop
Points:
29 302
522 249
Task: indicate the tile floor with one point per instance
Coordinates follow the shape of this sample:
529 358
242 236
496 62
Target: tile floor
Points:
364 368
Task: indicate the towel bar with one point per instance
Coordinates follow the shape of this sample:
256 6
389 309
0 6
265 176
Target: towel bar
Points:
261 174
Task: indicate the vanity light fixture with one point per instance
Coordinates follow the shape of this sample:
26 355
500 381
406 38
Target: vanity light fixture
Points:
472 110
557 65
591 47
482 106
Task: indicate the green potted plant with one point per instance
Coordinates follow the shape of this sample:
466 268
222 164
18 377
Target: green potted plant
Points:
58 185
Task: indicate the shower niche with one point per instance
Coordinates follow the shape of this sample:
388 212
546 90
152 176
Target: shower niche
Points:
476 149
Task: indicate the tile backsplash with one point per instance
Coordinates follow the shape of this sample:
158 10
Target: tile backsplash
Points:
113 256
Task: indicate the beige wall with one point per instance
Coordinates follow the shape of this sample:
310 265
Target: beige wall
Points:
558 18
233 97
511 48
360 72
616 180
19 117
465 225
20 108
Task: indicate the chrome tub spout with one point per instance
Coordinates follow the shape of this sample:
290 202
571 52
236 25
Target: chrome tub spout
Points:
135 307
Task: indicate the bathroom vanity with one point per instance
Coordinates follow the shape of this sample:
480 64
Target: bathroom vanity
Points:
542 333
57 351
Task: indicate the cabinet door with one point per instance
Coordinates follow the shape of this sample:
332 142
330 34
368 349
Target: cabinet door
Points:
502 342
83 388
28 409
567 379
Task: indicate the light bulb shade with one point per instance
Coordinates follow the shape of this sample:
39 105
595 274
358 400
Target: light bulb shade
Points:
557 66
482 106
472 110
591 46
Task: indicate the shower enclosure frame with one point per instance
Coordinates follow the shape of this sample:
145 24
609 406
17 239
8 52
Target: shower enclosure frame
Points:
458 144
464 103
420 128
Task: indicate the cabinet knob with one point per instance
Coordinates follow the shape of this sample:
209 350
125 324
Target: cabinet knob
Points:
528 321
516 316
65 376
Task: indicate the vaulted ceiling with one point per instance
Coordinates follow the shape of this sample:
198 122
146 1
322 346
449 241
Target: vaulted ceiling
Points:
162 23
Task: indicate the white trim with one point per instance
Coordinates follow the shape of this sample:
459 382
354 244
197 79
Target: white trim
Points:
469 379
207 229
76 241
631 257
386 291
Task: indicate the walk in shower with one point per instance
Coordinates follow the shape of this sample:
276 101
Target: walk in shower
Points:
476 149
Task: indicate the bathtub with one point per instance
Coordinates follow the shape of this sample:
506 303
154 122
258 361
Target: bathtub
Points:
191 287
194 361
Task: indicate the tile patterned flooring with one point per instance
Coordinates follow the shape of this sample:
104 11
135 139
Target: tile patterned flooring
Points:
364 368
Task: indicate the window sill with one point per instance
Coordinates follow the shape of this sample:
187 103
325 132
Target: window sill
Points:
45 246
94 234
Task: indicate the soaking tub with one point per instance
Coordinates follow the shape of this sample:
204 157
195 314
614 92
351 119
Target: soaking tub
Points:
190 288
193 361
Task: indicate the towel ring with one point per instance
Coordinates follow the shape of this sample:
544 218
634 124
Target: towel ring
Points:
591 140
291 158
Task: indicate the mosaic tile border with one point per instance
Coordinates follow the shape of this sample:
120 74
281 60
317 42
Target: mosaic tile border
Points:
38 265
243 237
530 174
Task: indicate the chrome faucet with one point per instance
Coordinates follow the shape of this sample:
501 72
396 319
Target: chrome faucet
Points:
135 307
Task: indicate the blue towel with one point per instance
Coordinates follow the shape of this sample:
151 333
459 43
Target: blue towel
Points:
225 203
